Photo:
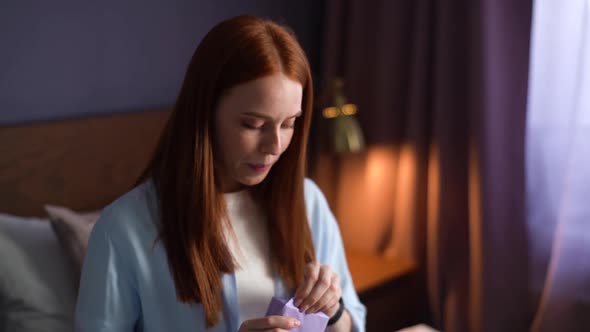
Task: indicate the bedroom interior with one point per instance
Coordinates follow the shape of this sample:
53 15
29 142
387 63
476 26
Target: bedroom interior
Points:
56 177
455 213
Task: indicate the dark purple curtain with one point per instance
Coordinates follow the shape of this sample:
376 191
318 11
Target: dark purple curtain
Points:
505 43
449 79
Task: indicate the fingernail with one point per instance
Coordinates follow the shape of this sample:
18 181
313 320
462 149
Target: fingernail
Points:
296 322
297 302
304 308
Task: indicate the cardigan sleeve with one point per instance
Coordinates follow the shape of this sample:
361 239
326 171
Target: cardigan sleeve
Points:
330 250
107 298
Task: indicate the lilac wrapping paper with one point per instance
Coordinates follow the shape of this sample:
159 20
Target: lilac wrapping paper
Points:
309 322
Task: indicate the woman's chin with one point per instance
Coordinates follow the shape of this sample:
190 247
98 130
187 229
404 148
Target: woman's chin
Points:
253 180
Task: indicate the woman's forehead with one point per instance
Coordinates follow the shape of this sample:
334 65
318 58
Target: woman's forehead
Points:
265 97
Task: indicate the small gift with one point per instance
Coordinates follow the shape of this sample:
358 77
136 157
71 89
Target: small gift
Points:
309 322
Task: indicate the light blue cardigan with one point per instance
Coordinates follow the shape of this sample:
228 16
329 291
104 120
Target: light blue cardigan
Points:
126 283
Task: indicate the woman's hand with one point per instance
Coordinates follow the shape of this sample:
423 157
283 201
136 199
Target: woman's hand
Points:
320 290
270 323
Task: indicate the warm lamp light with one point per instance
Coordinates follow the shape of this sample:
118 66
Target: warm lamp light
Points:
345 132
343 137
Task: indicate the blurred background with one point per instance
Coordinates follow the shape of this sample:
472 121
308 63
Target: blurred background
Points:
451 138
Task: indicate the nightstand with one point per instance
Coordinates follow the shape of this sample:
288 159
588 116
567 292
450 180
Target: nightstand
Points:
389 289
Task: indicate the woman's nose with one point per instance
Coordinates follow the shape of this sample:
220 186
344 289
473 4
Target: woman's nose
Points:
271 143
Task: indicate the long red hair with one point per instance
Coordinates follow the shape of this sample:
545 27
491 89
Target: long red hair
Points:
192 208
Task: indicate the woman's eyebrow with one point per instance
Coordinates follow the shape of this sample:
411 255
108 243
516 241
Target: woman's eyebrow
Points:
266 117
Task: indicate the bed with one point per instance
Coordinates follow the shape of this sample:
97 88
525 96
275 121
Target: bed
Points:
77 166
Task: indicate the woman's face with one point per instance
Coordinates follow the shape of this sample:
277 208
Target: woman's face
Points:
254 126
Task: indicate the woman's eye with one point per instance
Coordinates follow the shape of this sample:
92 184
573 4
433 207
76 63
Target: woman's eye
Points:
289 125
261 125
249 125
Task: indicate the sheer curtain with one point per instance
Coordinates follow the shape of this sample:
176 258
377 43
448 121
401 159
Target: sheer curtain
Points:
558 165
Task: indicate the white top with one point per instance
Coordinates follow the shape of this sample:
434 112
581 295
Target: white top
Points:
250 247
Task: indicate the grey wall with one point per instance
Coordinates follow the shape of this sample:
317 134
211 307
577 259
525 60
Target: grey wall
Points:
62 59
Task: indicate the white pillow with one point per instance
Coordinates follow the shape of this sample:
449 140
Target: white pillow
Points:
73 230
37 280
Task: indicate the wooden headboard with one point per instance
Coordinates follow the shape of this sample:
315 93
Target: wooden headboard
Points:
83 164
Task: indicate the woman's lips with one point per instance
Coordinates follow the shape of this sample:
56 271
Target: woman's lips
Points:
259 168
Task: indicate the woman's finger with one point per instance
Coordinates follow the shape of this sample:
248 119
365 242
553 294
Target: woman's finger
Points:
311 273
269 323
322 285
330 297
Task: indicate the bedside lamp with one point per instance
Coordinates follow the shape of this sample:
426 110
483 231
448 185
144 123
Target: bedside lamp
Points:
345 132
342 139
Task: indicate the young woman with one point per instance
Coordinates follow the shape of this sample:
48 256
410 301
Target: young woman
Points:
223 218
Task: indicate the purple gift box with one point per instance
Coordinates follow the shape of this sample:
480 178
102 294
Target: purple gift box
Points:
309 322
